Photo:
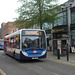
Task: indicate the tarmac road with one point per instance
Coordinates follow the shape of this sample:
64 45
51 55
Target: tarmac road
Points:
10 66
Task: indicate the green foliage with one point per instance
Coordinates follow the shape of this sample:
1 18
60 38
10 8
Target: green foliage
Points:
36 12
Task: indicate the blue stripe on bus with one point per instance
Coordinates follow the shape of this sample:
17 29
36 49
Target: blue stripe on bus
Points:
22 57
30 52
33 50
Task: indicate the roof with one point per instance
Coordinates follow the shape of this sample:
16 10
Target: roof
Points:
18 32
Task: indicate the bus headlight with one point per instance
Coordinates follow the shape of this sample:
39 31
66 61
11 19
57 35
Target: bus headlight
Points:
43 52
25 53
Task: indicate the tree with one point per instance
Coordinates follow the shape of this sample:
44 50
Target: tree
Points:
36 12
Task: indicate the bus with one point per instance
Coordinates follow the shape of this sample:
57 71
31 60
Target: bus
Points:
26 44
1 44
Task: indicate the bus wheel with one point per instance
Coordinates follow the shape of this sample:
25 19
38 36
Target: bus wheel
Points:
14 54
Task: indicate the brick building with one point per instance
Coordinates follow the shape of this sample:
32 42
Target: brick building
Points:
0 33
6 28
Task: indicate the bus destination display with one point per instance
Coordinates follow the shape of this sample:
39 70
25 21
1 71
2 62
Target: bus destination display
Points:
31 33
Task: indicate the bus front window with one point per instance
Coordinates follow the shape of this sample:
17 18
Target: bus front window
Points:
33 41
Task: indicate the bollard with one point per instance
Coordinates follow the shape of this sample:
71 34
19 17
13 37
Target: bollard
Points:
67 52
67 55
58 53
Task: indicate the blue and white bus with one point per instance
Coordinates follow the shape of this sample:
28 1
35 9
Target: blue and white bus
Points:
1 44
26 44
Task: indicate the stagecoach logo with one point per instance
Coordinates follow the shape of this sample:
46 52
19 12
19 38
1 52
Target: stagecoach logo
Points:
34 51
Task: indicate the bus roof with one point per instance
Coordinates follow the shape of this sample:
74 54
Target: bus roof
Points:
18 32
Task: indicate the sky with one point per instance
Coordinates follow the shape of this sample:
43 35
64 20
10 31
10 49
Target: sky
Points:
8 10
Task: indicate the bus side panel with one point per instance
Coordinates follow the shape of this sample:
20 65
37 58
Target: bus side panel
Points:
8 52
17 54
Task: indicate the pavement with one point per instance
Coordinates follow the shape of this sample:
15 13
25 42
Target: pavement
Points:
63 59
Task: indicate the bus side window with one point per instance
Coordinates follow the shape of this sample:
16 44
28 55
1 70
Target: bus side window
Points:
5 42
11 42
16 43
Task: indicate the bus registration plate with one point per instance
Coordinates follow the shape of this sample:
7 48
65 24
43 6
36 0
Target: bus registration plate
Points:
34 57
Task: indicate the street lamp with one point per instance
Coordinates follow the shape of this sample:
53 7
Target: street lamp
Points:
68 21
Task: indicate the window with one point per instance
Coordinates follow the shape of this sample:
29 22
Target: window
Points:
73 18
62 19
13 42
16 42
33 41
73 40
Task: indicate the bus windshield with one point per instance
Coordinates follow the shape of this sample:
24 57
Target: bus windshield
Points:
33 42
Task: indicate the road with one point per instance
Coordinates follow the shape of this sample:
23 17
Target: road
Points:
10 66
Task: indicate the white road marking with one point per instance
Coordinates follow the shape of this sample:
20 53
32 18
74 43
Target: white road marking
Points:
2 72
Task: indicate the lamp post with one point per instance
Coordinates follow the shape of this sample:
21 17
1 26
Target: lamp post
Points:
68 21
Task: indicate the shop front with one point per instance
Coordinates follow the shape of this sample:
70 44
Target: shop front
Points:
73 41
61 45
60 38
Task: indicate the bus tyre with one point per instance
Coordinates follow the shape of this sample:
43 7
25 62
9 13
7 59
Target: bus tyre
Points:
14 54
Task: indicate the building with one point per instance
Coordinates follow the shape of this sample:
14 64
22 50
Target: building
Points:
0 33
7 28
63 31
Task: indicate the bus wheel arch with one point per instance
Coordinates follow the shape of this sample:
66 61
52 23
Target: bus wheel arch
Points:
14 54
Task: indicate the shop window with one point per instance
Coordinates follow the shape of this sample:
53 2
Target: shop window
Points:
63 43
55 44
73 40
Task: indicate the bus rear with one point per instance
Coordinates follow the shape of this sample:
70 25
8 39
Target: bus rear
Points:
1 44
33 44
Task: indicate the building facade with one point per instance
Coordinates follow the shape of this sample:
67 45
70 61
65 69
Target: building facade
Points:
7 28
63 30
0 33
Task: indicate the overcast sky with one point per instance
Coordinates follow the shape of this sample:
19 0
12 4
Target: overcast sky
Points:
8 10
